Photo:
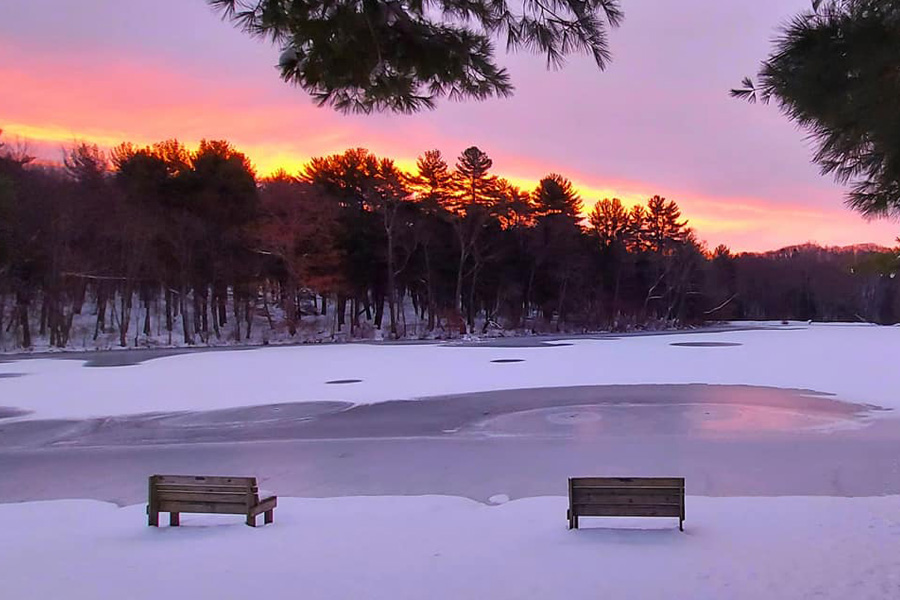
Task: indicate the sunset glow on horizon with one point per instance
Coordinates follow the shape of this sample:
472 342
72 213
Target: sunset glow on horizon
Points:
103 73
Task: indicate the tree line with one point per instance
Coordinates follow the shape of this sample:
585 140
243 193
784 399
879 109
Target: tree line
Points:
195 238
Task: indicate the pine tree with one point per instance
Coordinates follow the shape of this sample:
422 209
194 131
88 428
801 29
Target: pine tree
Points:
364 55
556 195
662 225
470 208
610 222
832 71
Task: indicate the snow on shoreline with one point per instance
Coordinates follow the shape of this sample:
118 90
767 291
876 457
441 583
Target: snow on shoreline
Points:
857 363
449 548
452 548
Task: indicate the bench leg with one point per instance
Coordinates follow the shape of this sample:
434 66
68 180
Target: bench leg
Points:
251 520
573 519
680 524
174 519
152 518
269 516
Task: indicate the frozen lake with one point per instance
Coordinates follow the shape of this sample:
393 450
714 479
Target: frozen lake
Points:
794 411
726 440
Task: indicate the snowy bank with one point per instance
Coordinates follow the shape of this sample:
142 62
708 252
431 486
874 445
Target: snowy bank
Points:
451 548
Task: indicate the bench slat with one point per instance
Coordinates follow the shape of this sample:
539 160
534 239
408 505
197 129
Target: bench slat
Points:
212 489
649 488
205 480
637 491
628 481
626 497
207 498
628 511
221 508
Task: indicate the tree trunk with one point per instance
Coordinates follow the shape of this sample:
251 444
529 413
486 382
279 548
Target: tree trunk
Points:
78 303
214 312
248 315
289 294
429 284
147 331
67 329
204 313
236 309
471 308
341 311
169 313
392 291
22 310
560 317
101 310
267 312
47 318
197 315
185 318
222 297
45 309
124 316
354 303
379 311
459 281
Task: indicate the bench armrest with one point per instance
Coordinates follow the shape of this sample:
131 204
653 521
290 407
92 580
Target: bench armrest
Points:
264 505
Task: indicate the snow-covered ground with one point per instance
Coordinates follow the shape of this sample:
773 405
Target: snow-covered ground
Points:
442 547
446 548
858 363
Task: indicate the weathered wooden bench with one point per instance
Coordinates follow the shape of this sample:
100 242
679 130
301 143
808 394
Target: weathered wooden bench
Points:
177 494
625 497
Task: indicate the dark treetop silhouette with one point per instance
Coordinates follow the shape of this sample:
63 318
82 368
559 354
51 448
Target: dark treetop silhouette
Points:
165 244
364 55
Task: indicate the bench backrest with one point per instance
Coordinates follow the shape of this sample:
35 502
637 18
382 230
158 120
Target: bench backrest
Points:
189 493
627 496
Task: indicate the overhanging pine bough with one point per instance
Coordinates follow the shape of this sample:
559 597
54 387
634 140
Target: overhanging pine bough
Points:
835 71
365 55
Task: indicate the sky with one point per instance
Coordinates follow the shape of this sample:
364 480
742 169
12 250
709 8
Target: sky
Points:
659 120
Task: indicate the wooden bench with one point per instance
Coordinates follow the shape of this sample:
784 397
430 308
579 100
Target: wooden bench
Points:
176 494
625 497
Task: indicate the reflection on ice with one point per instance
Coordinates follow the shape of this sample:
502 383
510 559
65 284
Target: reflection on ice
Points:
589 421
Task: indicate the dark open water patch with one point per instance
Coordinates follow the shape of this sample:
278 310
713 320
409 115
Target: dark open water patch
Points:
11 375
6 412
705 344
343 381
508 360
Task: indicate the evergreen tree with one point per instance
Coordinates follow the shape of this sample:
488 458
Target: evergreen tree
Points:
364 55
610 222
831 72
432 181
662 227
470 209
556 195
